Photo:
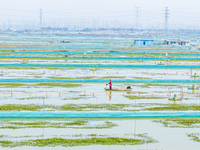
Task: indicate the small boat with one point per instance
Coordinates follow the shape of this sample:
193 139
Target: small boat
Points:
160 63
128 88
175 98
193 87
195 75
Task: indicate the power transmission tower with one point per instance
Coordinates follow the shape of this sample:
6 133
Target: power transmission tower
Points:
166 18
137 16
40 18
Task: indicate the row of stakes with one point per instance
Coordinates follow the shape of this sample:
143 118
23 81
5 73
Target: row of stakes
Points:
174 97
91 69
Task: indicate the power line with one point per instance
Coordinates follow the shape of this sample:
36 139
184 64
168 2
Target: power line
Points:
40 17
21 16
78 13
17 10
137 14
166 17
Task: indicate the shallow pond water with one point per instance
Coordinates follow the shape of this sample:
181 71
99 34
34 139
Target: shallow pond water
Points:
100 73
95 94
168 138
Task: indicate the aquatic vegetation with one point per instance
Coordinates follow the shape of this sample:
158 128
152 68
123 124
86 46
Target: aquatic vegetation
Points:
100 107
23 68
141 78
58 84
6 143
71 68
134 92
29 123
78 124
35 68
89 77
175 108
41 124
74 98
103 126
37 77
187 122
84 68
112 77
180 123
131 97
165 123
147 138
80 107
11 107
194 136
94 139
147 85
52 142
11 85
74 91
53 68
91 107
67 107
10 127
31 98
97 107
82 140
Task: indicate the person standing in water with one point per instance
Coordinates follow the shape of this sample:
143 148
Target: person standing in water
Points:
110 84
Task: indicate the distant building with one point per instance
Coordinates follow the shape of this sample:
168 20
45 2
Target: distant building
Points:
176 42
143 42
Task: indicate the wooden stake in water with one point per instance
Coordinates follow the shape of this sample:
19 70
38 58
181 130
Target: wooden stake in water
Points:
43 133
135 128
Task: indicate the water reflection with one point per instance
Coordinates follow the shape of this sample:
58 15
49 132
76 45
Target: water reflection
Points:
135 128
109 94
193 91
128 92
174 101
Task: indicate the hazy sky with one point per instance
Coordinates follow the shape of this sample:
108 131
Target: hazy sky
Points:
151 12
